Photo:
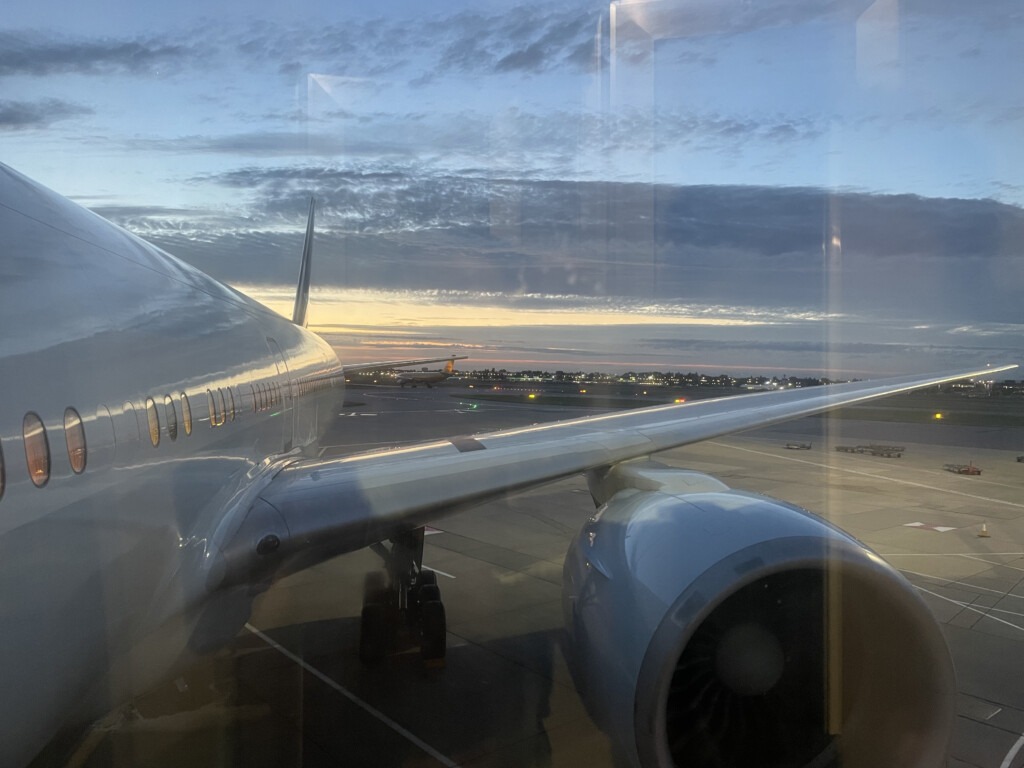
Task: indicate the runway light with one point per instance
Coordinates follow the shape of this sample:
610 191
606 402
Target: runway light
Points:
532 396
938 415
680 399
583 391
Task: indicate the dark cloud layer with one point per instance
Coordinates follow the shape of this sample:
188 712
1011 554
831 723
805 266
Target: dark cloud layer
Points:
20 115
752 246
37 54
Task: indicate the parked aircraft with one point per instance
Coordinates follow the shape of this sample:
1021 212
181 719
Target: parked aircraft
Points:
428 377
158 469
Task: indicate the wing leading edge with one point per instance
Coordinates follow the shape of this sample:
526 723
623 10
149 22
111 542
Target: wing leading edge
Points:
322 508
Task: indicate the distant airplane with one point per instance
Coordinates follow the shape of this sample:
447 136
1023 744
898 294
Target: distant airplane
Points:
428 377
159 443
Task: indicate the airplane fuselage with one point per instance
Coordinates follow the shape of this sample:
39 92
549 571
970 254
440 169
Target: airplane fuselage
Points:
185 391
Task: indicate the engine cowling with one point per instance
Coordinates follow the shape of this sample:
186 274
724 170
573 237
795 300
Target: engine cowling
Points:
710 627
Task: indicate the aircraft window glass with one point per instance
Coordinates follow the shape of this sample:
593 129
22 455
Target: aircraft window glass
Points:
222 414
154 422
37 449
3 478
213 411
231 403
170 417
186 414
74 434
252 390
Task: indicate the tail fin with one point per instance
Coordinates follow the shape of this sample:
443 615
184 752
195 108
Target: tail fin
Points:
302 292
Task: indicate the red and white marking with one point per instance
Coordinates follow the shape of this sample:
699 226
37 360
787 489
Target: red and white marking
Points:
929 527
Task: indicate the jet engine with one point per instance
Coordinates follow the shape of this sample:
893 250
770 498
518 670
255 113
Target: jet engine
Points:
709 627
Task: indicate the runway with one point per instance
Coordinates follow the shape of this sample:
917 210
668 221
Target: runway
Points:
290 690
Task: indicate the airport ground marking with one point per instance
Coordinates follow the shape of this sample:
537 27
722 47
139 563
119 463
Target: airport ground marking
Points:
949 554
1008 760
983 560
958 582
373 711
930 527
869 474
970 607
439 573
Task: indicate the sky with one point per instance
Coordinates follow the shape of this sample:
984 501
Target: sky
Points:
828 187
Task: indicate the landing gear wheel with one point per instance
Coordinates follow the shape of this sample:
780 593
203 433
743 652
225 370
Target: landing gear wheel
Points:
375 586
433 640
402 604
429 593
375 634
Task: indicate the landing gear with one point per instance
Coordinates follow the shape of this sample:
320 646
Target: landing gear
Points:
402 607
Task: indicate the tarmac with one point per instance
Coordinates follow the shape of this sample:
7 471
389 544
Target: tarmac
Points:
290 690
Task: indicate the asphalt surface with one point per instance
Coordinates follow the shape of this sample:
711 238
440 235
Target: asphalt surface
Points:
290 690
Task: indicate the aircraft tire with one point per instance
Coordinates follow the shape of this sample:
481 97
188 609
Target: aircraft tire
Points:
374 587
374 634
429 593
433 644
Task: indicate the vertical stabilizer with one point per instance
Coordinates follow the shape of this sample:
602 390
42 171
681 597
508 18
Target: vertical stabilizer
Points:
302 291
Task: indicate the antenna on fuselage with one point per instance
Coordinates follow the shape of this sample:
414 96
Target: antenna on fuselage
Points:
302 291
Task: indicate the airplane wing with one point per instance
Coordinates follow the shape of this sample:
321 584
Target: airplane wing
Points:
399 363
343 504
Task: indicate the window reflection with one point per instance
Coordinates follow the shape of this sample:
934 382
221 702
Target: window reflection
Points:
37 449
154 422
186 414
74 434
170 417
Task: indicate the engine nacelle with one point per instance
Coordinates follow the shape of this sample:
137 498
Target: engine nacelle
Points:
710 627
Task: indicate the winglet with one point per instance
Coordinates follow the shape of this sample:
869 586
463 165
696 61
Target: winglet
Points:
302 291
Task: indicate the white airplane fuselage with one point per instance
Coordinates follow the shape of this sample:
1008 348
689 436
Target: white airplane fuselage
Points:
99 585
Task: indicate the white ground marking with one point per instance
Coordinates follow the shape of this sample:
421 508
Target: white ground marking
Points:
970 607
407 735
949 554
448 575
871 475
961 583
1012 753
983 560
929 527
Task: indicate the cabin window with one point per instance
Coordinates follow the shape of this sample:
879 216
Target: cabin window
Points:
170 417
74 434
231 403
186 414
211 405
154 422
37 449
223 406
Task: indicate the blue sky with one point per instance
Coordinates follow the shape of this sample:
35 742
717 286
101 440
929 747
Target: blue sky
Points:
627 159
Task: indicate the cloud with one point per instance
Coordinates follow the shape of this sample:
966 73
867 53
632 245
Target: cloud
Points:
406 226
36 54
24 115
